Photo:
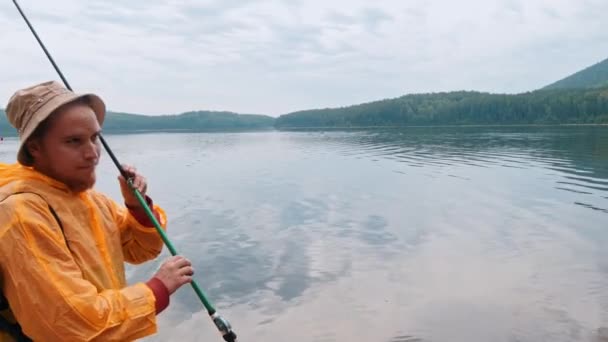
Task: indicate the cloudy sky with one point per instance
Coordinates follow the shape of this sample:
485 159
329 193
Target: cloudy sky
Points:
277 56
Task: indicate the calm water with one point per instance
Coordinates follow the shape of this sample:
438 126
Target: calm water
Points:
459 234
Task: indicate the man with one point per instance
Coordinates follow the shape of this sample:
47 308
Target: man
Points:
62 244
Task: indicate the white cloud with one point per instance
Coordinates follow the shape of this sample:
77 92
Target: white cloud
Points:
276 56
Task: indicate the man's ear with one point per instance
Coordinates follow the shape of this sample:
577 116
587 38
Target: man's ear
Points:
34 148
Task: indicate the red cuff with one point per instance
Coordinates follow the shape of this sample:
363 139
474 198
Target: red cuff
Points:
160 292
140 213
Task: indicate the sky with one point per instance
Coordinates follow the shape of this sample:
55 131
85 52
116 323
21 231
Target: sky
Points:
274 57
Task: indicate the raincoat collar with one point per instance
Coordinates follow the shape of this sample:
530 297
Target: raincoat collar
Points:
17 172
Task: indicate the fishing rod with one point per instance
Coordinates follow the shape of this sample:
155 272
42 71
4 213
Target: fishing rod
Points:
220 322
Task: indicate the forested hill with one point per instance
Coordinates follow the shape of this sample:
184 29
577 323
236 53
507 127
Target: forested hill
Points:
191 121
560 106
595 76
5 127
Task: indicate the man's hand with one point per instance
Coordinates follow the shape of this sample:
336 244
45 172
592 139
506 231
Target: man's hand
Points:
175 272
139 182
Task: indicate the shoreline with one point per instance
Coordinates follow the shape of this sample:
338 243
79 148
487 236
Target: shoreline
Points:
324 128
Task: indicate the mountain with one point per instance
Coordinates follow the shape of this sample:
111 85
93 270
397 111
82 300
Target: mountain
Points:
594 76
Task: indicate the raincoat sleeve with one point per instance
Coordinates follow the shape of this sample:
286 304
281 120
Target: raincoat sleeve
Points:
46 290
140 242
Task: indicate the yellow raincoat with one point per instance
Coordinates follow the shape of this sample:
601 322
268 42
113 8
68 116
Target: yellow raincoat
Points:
71 286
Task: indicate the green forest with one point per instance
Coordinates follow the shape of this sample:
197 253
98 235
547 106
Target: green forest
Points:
562 106
190 121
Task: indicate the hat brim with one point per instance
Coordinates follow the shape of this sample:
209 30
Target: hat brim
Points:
94 101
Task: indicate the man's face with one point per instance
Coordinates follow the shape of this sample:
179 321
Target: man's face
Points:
69 150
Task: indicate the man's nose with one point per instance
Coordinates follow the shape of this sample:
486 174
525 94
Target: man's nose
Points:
91 150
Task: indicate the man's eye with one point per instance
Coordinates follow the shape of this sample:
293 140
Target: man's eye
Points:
73 141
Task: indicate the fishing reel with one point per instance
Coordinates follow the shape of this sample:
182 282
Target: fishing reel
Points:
224 327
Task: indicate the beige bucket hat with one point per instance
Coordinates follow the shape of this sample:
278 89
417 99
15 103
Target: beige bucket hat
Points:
28 107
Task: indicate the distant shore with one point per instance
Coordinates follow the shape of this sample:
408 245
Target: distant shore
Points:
324 128
431 126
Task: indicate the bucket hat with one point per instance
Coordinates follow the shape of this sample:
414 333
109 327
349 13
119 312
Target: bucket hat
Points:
28 107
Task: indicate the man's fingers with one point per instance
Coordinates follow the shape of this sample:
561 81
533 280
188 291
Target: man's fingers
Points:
129 170
137 183
176 260
187 271
183 262
141 183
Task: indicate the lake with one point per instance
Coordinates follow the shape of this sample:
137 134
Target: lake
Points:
417 234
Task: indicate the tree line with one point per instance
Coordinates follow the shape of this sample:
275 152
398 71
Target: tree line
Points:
546 106
559 106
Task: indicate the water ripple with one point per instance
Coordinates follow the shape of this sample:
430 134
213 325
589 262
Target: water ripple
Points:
436 149
590 206
405 338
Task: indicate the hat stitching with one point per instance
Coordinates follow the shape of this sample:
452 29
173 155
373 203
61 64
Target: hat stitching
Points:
29 113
